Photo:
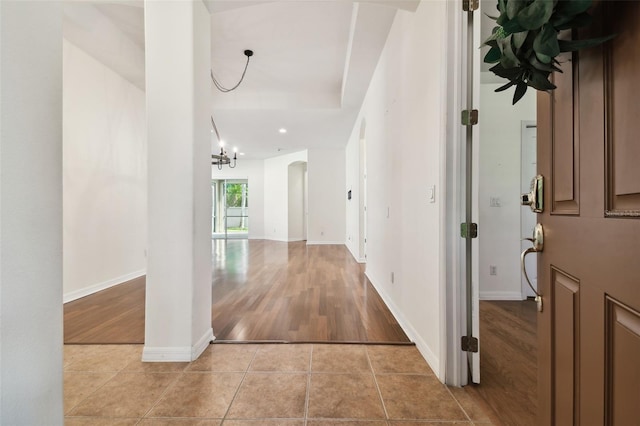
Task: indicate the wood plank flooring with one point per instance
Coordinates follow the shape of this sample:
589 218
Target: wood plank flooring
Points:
114 315
508 360
262 291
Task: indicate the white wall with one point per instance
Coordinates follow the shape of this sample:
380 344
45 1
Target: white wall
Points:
327 196
296 201
352 207
31 213
178 290
499 177
405 127
276 204
104 176
253 172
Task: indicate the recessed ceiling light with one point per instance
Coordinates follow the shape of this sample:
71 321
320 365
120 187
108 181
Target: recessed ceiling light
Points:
283 130
241 153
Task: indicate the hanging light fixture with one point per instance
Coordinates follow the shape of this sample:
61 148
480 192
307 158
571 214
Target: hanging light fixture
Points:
222 158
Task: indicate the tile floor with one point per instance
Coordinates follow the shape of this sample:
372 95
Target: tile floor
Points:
262 384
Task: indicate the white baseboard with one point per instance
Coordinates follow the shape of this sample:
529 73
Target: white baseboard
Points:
356 258
202 344
423 347
317 243
500 295
78 294
178 353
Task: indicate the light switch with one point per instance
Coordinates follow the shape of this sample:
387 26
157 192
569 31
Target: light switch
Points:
495 202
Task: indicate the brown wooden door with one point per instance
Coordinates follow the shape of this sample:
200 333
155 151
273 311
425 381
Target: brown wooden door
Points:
589 272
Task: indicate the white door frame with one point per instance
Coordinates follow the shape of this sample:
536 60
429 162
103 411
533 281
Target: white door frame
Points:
453 285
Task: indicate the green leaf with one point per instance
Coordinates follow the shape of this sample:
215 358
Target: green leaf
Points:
573 45
536 64
543 58
536 14
511 27
508 73
573 7
502 6
519 38
515 6
493 56
508 58
521 89
540 81
505 87
546 42
490 43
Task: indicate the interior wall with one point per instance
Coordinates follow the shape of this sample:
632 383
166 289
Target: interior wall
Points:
499 184
276 204
352 206
327 197
104 176
296 201
405 133
31 355
253 171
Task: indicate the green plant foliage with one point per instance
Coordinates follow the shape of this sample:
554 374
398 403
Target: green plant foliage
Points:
524 44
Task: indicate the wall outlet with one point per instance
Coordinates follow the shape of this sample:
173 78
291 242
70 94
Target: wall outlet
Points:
495 202
321 232
493 270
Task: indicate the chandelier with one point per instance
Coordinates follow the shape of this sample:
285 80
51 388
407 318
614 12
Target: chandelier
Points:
222 158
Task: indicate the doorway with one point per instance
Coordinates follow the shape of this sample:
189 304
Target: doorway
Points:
508 319
230 211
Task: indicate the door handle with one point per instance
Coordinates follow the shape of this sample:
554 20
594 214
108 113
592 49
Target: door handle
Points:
538 245
535 198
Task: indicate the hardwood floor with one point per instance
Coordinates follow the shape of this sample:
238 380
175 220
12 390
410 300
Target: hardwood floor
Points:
508 360
262 291
268 290
114 315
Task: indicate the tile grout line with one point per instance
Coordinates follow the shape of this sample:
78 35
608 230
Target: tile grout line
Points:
246 371
307 396
375 381
164 392
89 372
459 405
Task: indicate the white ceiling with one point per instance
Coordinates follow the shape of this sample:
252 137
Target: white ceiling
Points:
312 63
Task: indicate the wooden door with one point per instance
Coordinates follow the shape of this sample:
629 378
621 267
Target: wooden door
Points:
589 271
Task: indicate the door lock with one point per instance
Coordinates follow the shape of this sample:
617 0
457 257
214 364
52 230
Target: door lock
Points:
538 245
535 198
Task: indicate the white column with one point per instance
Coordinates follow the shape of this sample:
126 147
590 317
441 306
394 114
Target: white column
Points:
178 297
31 213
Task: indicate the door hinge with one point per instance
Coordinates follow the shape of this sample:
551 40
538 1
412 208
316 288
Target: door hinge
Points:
469 230
469 344
469 117
470 5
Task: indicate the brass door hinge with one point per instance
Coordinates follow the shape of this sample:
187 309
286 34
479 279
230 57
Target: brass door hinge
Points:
469 117
469 230
470 5
469 344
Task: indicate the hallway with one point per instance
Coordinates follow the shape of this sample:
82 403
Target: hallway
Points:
262 291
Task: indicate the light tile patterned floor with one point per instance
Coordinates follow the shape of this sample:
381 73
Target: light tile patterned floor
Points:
262 384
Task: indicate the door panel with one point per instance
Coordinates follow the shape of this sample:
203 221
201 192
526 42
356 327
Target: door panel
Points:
623 353
622 68
566 314
565 164
589 271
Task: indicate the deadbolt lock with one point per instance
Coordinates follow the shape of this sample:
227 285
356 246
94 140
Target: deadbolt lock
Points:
535 198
